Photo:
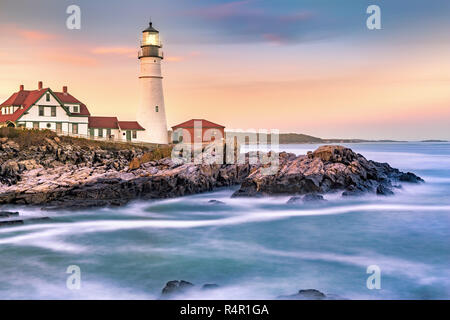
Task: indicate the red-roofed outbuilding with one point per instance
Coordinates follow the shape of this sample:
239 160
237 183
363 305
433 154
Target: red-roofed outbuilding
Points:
198 130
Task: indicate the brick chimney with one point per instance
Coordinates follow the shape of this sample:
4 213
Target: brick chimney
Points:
65 89
40 85
21 87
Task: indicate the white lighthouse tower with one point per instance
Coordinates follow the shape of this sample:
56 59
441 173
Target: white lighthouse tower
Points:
151 112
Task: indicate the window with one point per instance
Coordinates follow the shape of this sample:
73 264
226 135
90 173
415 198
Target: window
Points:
47 97
75 109
53 111
75 128
91 132
41 111
156 109
134 134
35 125
108 133
49 125
100 133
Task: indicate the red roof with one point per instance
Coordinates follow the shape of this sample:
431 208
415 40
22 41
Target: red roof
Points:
26 98
130 125
68 98
204 123
103 122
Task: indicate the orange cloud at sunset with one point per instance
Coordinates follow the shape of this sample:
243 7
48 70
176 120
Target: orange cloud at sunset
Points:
35 35
127 51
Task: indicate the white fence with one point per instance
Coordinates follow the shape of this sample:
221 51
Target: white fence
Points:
106 139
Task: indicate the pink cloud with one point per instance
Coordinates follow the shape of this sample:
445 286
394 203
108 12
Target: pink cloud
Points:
127 51
70 59
175 58
35 35
273 38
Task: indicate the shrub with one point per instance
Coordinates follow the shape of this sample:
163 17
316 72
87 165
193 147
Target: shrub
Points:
6 132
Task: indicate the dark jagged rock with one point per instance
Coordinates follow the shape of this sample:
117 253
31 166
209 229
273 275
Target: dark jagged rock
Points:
295 200
384 191
313 198
210 286
7 214
10 222
410 177
176 287
308 294
309 198
328 169
216 202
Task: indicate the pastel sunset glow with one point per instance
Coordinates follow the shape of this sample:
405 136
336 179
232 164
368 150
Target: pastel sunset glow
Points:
310 67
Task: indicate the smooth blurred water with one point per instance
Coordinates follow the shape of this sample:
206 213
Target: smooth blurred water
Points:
252 248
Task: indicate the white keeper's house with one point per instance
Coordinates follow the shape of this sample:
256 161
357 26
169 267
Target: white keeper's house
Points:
60 111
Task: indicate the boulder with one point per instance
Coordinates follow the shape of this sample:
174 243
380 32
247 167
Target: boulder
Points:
216 202
295 200
175 287
308 294
7 214
210 286
384 190
313 198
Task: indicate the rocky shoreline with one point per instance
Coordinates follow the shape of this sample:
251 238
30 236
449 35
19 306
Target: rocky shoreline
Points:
60 175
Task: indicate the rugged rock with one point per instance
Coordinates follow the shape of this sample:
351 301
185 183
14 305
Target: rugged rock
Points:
10 222
328 169
210 286
295 200
216 202
7 214
308 198
308 294
55 175
384 190
313 198
175 287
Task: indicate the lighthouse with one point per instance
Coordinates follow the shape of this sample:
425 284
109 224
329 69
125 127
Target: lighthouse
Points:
151 112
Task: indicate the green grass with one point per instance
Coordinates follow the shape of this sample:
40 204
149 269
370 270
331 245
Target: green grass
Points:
33 137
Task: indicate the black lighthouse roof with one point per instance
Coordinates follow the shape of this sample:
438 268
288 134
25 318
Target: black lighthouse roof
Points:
150 28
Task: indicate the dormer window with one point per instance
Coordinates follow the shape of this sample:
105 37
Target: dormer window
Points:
47 97
76 109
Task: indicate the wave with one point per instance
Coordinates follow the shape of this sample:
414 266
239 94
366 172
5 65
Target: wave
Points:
34 234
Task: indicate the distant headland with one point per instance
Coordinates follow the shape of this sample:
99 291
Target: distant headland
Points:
292 138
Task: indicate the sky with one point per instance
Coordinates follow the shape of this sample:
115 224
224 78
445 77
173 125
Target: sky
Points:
305 66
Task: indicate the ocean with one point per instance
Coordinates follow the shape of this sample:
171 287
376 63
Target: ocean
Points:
251 248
